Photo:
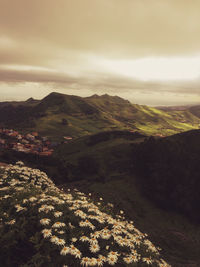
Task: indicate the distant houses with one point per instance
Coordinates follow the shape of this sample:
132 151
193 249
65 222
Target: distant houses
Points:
67 139
28 143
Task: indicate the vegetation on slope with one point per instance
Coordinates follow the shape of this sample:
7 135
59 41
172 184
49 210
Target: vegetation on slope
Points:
104 164
121 168
195 110
43 226
91 115
168 171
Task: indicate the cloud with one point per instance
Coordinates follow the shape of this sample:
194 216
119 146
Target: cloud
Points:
97 82
68 44
114 28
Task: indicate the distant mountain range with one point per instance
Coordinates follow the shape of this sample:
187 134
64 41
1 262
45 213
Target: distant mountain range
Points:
58 115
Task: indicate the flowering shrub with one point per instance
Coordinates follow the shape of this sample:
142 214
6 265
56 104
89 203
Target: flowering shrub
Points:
43 226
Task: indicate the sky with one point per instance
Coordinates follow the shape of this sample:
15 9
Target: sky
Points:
145 51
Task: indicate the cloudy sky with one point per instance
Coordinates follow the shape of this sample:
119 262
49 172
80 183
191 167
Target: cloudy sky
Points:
145 51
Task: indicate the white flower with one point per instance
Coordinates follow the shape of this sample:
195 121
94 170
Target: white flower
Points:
128 260
60 242
58 225
54 239
45 221
84 238
94 248
85 261
19 208
75 252
58 214
11 222
60 232
99 262
147 260
32 199
112 260
46 208
113 254
46 233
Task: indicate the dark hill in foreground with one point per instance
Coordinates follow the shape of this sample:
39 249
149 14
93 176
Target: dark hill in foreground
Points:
169 170
155 180
112 165
91 115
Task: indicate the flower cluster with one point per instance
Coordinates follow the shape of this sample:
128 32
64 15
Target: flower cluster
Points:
72 225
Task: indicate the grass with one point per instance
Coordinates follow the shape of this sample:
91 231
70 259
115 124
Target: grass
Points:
94 114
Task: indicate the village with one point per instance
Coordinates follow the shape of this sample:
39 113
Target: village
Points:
28 143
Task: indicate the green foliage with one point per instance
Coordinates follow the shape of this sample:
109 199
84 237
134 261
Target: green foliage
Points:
96 156
92 115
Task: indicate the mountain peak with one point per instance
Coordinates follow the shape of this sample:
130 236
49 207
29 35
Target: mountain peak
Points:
109 98
31 99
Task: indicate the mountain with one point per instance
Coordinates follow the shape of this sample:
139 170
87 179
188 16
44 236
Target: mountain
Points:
175 108
195 110
68 104
91 115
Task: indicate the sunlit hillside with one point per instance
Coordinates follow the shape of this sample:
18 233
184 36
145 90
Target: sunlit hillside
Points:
58 115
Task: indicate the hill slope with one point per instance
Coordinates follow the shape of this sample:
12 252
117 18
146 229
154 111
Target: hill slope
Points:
195 110
169 171
153 180
59 115
112 165
43 226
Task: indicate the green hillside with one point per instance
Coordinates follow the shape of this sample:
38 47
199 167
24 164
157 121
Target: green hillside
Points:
98 156
59 115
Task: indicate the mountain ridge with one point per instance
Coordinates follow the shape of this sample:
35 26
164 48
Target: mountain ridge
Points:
89 115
